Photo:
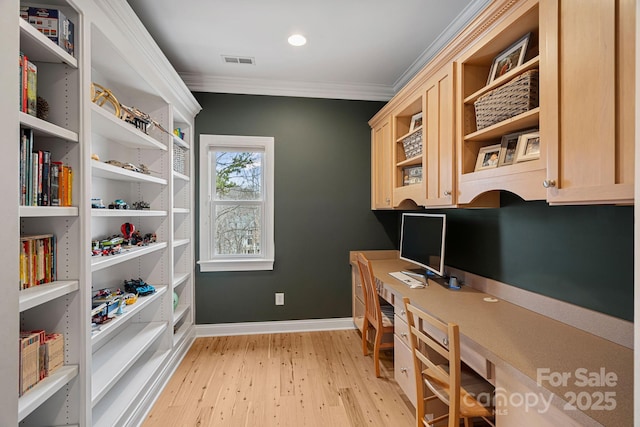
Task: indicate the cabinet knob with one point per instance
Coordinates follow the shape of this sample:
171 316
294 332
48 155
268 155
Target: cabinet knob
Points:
388 200
548 183
404 370
447 193
445 342
402 312
404 335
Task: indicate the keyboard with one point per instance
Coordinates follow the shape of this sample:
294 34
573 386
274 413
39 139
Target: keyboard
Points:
407 280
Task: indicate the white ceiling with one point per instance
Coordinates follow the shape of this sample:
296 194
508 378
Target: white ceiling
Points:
356 49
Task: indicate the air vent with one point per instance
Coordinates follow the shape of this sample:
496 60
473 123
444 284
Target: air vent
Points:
228 59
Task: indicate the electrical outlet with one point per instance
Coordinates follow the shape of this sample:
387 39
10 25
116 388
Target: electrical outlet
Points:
279 298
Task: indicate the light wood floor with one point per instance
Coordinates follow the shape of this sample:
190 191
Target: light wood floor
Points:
294 379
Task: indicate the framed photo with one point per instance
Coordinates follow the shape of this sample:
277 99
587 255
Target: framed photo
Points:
488 157
528 147
509 149
416 122
411 175
509 58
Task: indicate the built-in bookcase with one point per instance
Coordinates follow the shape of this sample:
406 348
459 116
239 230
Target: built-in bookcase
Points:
111 372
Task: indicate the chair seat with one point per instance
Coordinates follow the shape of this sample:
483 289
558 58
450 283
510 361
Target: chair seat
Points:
387 315
471 385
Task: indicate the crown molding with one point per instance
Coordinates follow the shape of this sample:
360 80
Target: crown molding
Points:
472 10
239 85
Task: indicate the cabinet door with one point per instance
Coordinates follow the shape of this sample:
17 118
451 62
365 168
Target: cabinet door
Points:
439 140
588 88
381 165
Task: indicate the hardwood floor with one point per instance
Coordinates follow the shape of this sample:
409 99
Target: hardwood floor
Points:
293 379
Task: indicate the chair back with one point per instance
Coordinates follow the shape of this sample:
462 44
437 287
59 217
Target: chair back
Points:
371 301
447 380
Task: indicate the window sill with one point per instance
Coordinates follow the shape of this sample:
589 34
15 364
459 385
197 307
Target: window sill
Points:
258 264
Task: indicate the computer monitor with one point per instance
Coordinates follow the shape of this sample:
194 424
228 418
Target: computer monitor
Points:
422 239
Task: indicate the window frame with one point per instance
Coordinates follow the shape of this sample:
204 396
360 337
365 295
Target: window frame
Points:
209 262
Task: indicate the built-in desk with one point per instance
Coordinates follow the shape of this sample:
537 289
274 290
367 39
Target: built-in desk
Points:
530 358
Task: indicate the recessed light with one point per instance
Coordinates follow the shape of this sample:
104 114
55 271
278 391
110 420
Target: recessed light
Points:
297 40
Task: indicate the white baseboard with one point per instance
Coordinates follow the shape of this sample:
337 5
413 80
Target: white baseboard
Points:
251 328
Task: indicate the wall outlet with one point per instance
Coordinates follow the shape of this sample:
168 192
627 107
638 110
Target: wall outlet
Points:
279 298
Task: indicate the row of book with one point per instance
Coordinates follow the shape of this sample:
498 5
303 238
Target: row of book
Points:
28 78
38 258
41 354
43 182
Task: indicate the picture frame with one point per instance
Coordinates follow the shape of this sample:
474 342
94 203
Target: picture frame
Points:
488 157
416 122
411 175
510 58
528 147
509 148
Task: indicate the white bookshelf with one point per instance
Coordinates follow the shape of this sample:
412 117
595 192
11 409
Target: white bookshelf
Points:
111 374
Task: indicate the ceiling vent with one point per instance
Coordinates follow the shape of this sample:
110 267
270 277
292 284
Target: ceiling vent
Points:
229 59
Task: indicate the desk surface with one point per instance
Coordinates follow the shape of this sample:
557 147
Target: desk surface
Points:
527 341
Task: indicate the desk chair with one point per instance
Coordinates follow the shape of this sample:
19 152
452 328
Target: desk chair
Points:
448 382
376 316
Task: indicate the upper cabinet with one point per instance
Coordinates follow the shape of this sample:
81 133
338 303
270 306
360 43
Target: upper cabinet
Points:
588 88
381 164
438 130
408 154
497 98
534 97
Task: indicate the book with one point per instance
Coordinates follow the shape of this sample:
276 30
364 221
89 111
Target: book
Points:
20 80
33 185
37 260
55 174
46 180
55 25
24 83
32 84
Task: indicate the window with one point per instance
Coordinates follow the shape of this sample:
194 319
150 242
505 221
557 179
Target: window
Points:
236 203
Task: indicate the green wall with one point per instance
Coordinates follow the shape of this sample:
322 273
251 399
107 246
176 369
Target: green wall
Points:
322 206
579 254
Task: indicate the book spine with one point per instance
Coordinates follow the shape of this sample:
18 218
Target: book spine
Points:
40 171
34 179
23 168
32 84
20 62
55 186
46 178
23 91
29 168
70 187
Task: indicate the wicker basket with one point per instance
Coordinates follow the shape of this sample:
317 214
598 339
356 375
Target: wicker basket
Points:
513 98
178 158
412 144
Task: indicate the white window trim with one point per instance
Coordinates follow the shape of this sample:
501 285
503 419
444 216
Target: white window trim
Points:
229 263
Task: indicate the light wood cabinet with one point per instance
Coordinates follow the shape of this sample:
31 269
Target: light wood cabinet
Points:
439 148
381 165
524 178
584 54
588 86
407 193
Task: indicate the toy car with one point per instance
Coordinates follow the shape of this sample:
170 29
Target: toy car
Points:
138 287
141 205
118 204
96 203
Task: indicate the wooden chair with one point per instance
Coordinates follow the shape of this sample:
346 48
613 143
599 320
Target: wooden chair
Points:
448 382
378 317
